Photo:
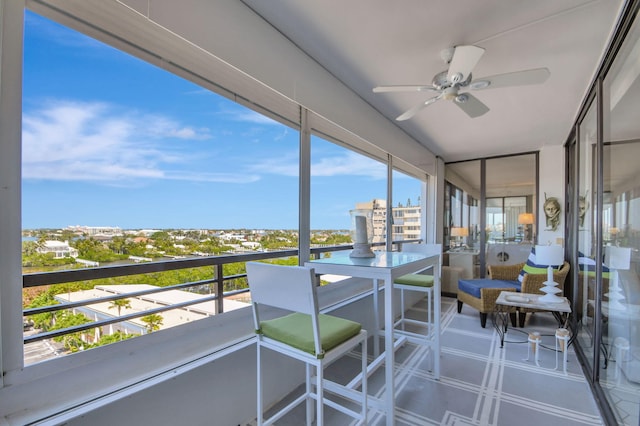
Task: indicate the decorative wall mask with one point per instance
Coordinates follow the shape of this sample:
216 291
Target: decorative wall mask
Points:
583 205
552 212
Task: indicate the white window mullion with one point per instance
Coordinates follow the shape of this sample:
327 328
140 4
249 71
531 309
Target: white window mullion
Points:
11 46
304 182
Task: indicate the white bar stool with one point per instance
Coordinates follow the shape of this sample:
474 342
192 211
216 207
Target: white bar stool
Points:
562 341
534 345
622 347
427 284
305 335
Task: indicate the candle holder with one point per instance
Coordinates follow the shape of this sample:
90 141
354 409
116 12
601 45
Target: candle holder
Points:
550 255
362 232
617 259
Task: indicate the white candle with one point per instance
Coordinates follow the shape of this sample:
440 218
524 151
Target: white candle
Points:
361 230
550 274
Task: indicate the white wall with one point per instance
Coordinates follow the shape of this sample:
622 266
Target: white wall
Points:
552 183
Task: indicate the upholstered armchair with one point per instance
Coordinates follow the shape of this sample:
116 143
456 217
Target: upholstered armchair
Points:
482 294
531 283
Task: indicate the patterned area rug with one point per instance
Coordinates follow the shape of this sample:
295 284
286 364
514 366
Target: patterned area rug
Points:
481 383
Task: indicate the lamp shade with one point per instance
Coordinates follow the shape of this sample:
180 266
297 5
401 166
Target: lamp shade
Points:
525 219
549 255
459 232
617 257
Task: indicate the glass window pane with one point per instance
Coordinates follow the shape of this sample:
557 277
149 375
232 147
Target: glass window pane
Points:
462 200
586 241
343 180
124 162
406 207
621 230
511 183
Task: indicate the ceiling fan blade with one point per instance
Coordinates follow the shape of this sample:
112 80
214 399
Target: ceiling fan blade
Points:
464 60
518 78
410 113
382 89
471 105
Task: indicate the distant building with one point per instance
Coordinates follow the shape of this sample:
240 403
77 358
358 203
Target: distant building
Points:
406 223
101 231
59 249
379 208
232 237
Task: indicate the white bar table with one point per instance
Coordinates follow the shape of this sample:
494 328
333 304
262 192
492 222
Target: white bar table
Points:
386 267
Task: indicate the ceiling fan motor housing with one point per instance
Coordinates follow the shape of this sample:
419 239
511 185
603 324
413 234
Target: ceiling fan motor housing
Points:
441 82
450 93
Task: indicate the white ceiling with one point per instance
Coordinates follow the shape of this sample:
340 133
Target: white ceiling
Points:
291 52
366 43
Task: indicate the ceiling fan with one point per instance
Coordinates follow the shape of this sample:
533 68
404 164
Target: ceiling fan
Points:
454 83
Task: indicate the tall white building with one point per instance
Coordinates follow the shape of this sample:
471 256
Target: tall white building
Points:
405 224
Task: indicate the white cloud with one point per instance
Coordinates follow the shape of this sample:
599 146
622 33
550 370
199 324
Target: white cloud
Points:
249 116
164 127
349 164
285 165
83 141
214 177
99 142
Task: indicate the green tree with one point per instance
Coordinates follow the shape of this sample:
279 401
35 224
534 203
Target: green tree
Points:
29 248
118 245
133 248
153 322
112 338
66 235
43 321
65 319
119 304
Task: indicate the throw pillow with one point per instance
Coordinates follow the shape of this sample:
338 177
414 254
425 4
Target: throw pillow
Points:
531 267
588 265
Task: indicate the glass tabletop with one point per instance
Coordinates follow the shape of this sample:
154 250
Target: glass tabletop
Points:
381 260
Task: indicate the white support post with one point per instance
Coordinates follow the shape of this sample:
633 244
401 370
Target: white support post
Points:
304 200
11 47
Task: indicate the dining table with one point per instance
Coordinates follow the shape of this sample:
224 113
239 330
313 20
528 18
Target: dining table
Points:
383 269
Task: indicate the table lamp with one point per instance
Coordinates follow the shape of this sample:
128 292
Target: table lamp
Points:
459 232
550 255
616 259
525 219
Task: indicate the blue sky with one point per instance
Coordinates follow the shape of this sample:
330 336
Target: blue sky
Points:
109 140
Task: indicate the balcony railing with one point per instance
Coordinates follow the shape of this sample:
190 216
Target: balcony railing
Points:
217 282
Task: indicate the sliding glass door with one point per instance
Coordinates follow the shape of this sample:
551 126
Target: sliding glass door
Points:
494 201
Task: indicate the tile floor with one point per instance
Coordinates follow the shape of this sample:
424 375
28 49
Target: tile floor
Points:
481 383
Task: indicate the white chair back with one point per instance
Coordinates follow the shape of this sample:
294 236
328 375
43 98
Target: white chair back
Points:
292 288
286 287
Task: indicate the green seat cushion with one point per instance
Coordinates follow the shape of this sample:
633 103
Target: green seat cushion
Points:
417 280
296 330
